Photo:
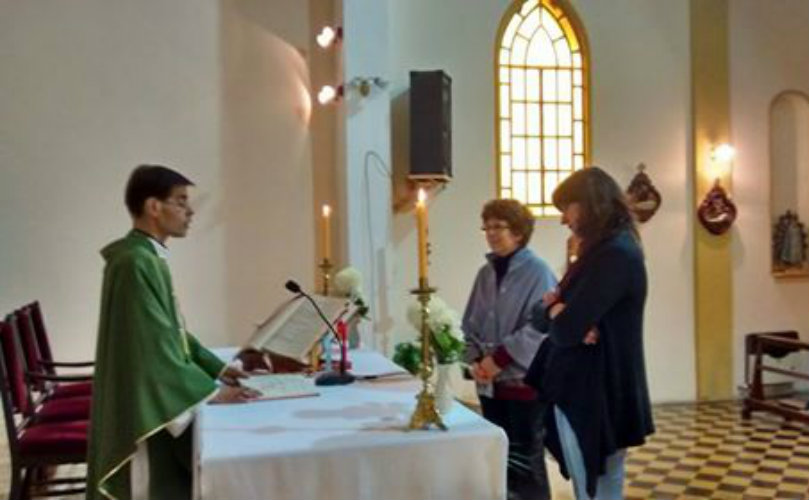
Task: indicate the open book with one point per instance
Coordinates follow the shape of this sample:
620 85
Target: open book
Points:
295 326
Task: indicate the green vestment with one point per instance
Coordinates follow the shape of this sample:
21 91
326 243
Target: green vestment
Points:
148 370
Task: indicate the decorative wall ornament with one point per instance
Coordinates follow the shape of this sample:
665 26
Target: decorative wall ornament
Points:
643 197
717 211
789 247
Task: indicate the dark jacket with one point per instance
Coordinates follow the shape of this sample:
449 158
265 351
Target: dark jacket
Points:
600 388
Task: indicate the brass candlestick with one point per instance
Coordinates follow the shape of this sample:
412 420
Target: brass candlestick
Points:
425 413
325 274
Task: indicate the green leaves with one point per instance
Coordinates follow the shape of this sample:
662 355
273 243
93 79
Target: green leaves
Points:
446 347
408 356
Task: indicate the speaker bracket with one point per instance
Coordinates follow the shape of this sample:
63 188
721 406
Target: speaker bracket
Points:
405 195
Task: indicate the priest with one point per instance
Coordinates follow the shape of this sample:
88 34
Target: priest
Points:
150 373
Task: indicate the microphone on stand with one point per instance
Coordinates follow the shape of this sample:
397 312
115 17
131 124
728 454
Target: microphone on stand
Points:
342 377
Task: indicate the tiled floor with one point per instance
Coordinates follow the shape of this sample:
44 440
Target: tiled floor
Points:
703 451
708 451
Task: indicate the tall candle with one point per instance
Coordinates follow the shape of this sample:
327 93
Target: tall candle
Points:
421 223
326 221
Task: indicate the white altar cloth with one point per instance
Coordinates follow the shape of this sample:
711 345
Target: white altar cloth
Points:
347 443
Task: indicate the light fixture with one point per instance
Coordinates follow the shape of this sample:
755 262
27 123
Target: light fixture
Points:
329 94
723 153
364 84
717 212
329 36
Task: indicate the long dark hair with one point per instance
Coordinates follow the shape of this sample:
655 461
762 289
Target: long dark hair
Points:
605 212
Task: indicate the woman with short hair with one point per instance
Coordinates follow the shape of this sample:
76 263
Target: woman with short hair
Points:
501 342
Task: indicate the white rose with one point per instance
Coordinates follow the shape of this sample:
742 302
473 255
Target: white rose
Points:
348 282
442 317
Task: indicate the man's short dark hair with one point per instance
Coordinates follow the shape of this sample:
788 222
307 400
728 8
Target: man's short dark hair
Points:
151 181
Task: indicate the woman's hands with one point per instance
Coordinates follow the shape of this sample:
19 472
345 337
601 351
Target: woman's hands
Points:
553 301
485 370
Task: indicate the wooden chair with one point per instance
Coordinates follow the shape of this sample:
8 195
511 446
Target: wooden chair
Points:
776 344
33 444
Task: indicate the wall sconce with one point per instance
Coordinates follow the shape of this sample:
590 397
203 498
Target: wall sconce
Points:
329 36
363 86
717 212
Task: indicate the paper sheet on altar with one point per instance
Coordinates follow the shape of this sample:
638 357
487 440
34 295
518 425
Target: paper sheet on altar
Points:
282 385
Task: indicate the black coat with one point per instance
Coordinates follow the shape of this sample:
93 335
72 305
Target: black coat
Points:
600 388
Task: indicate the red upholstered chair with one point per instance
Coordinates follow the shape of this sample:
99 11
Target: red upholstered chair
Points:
33 444
39 357
42 406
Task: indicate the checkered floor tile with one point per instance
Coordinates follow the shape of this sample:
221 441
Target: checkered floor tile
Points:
707 451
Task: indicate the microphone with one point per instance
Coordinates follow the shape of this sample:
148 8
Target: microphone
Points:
293 286
342 377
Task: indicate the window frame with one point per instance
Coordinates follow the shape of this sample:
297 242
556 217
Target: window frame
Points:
559 9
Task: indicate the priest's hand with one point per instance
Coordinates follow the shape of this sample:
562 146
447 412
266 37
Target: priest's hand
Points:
231 375
229 394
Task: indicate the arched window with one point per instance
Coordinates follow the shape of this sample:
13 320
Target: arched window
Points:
542 104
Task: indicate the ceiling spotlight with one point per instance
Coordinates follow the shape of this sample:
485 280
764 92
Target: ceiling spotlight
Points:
328 36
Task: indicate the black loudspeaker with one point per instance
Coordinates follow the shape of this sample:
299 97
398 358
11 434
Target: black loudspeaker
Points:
430 125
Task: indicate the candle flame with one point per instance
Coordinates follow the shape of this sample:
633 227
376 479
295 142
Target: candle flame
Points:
326 210
422 196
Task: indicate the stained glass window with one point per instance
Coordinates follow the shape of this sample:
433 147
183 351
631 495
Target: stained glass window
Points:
542 106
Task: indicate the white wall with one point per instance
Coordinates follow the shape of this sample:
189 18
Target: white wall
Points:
641 103
769 53
90 88
366 161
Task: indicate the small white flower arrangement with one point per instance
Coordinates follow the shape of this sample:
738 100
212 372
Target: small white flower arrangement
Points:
447 337
348 283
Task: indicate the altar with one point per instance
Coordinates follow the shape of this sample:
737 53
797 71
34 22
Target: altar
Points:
349 442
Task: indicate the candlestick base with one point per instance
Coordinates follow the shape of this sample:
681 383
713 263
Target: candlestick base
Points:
425 415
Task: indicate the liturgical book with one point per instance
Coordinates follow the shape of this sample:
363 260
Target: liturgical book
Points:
295 326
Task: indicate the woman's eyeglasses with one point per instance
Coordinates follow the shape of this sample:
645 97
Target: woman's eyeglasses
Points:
493 228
